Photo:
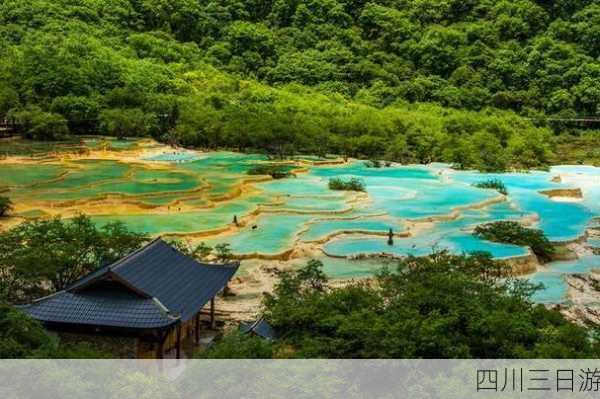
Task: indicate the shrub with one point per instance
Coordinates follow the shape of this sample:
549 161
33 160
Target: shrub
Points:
373 163
493 184
354 184
275 171
441 306
5 206
39 125
514 233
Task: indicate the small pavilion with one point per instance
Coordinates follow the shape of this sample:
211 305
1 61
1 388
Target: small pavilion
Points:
154 295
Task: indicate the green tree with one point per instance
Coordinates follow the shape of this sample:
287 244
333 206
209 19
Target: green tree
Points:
39 125
21 336
514 233
43 256
441 306
126 122
223 253
236 345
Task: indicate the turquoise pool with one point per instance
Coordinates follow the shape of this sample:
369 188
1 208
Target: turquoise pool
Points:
321 229
187 192
555 287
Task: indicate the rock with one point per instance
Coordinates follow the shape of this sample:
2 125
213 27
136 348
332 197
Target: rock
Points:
563 192
563 253
583 315
584 293
522 265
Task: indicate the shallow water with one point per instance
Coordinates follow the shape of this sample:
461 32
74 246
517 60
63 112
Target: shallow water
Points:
187 192
12 175
177 221
420 246
174 157
269 235
322 229
555 287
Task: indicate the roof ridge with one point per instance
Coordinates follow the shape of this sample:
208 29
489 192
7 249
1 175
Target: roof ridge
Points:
256 322
165 309
34 301
231 265
133 254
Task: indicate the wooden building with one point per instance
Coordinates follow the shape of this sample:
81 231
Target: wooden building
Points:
153 296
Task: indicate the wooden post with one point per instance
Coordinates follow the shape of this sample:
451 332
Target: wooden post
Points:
213 324
197 329
178 347
160 349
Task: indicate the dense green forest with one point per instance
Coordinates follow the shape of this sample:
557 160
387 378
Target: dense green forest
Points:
464 81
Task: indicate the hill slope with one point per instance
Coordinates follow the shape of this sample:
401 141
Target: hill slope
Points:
345 76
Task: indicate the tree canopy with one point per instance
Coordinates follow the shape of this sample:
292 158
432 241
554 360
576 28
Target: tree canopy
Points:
411 81
442 306
514 233
22 337
40 257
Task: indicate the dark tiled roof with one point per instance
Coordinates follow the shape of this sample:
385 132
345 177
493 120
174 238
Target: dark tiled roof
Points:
105 307
162 284
259 327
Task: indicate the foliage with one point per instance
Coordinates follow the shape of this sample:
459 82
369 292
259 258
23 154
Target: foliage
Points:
200 252
6 206
442 306
223 253
43 256
373 163
236 345
353 184
577 148
125 122
395 80
275 171
22 337
494 184
39 125
514 233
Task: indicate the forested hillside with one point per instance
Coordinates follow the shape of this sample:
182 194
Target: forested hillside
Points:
409 80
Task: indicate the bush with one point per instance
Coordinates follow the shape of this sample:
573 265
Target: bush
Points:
442 306
514 233
354 184
5 206
493 184
20 335
275 171
39 125
23 337
236 345
39 257
120 122
373 163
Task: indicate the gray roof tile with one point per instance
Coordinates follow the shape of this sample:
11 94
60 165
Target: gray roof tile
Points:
163 285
